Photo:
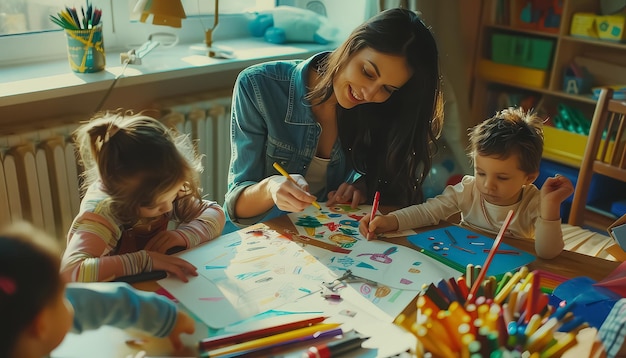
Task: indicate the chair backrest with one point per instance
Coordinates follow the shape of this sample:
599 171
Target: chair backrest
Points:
605 153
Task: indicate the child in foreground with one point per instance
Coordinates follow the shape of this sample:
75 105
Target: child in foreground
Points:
38 309
506 152
142 200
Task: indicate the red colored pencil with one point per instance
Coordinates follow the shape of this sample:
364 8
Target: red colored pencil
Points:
481 276
214 342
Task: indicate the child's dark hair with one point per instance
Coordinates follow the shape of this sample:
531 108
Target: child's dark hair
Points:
510 132
138 158
29 279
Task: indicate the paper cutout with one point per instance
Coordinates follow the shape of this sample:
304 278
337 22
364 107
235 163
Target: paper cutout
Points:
471 248
615 281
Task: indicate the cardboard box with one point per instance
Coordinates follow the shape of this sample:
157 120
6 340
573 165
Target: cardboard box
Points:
512 74
611 27
584 25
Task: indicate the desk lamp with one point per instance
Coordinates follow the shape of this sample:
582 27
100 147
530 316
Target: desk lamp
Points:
170 13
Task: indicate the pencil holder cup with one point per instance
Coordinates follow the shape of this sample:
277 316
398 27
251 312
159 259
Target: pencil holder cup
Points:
85 50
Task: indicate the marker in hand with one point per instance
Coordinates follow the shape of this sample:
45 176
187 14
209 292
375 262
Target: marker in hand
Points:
286 175
374 206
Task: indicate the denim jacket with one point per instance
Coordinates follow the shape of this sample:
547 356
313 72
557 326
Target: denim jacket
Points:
273 122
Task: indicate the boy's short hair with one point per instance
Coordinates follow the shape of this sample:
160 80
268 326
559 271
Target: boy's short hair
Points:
511 131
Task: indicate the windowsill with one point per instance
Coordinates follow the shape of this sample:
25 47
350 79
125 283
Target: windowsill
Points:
54 79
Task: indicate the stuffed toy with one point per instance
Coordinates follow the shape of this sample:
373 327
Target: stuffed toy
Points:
285 24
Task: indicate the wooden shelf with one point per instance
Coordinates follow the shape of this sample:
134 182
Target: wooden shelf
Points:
566 50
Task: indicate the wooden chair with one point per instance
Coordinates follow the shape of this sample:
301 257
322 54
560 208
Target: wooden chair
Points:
605 154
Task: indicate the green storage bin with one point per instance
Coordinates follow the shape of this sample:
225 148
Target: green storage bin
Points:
521 51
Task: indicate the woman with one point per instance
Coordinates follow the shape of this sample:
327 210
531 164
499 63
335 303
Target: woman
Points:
346 123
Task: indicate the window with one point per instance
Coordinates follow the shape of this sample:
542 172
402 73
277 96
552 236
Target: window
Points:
28 35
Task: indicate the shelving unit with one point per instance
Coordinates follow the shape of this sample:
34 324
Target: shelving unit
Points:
543 89
566 49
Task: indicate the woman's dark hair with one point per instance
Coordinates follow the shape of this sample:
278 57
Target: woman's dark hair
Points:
391 142
29 280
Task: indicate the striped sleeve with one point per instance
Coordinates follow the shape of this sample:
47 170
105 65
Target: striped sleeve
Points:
206 227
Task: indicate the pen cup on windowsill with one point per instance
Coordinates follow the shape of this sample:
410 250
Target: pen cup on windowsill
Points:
85 50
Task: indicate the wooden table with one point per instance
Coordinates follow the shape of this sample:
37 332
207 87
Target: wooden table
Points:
568 264
110 341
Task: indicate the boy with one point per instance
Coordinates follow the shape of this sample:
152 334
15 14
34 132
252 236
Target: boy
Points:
506 152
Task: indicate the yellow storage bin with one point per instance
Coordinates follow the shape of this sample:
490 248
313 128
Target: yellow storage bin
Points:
512 74
564 146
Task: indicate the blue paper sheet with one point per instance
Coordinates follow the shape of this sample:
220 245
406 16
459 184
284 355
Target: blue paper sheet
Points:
471 248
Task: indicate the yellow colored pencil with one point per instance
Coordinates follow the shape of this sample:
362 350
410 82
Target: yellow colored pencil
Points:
268 341
286 175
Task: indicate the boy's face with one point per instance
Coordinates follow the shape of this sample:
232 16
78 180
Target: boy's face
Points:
500 180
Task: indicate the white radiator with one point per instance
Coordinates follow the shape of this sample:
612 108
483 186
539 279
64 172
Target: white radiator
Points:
206 118
39 179
39 175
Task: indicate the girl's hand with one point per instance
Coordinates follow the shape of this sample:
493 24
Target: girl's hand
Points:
173 265
165 240
290 196
184 324
346 193
380 224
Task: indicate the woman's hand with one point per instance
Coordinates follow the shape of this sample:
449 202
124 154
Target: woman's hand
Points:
290 196
173 265
380 224
165 240
346 193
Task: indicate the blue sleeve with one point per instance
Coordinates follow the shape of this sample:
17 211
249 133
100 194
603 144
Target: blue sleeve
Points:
120 305
248 137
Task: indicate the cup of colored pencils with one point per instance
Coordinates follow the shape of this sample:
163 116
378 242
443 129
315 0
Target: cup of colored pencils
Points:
509 317
83 30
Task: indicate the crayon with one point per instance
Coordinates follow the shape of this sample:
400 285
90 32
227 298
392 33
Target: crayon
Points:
503 280
562 344
437 297
542 336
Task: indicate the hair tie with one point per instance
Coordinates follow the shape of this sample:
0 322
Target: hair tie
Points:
7 285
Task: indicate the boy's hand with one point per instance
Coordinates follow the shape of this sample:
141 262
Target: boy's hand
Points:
184 324
556 189
380 224
553 192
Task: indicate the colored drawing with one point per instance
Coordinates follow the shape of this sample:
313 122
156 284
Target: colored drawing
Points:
259 270
464 246
368 259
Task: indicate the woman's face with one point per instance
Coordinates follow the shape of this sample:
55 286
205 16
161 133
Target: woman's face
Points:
370 76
